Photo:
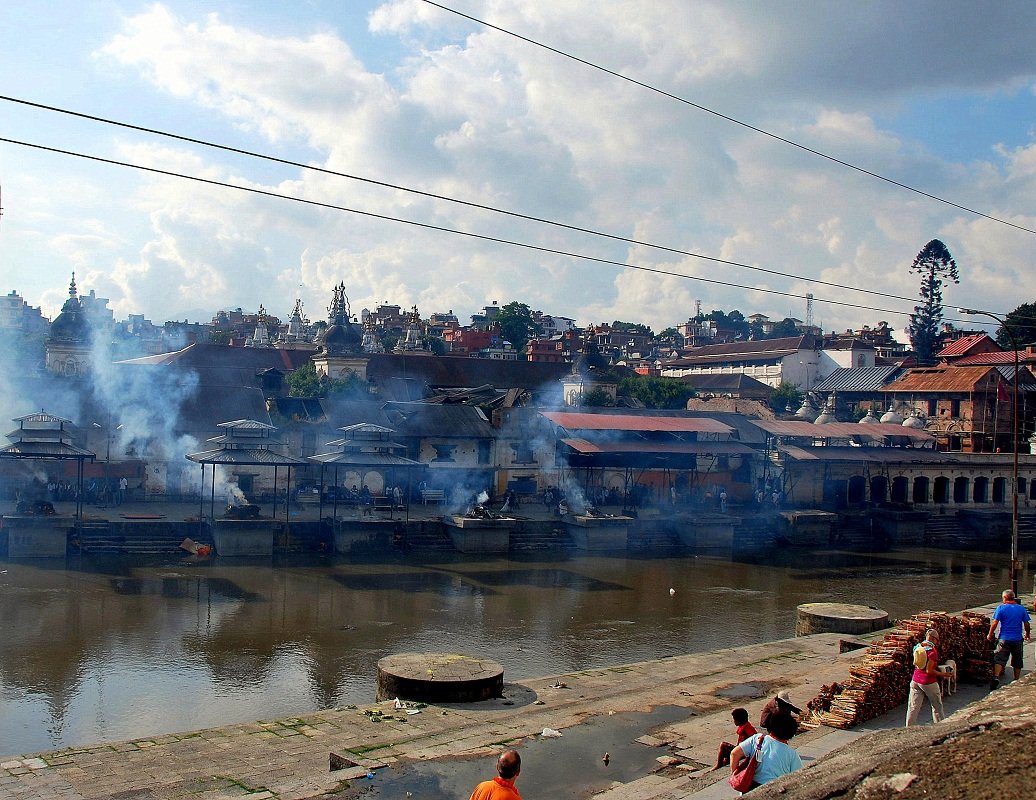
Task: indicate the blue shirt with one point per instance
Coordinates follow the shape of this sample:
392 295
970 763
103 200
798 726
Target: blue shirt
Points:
778 758
1011 616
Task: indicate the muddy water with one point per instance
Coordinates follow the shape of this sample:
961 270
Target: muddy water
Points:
103 650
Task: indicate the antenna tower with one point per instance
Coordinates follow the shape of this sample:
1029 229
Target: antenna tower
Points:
809 312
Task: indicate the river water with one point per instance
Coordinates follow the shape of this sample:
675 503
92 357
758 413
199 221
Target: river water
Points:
96 650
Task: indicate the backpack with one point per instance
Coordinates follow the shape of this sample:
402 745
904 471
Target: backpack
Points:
921 656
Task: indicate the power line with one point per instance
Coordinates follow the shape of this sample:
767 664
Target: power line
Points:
444 229
728 118
446 198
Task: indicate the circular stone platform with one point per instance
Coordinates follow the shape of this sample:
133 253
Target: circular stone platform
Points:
439 678
839 618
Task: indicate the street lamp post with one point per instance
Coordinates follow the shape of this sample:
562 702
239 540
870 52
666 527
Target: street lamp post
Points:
1014 419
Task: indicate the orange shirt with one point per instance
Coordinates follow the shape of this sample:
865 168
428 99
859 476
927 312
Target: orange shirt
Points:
496 789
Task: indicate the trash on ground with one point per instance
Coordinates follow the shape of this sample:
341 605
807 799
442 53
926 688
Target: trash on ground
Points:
550 733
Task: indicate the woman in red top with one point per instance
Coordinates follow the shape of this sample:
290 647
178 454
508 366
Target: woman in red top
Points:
925 682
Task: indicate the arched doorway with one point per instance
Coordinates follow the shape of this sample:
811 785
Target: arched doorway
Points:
900 488
942 490
857 490
921 489
960 489
999 490
981 493
879 489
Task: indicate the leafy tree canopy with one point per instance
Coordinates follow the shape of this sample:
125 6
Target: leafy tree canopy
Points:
596 398
304 382
517 325
786 394
1021 323
636 327
935 265
656 392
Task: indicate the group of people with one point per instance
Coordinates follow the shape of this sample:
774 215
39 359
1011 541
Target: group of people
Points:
774 756
1012 619
779 719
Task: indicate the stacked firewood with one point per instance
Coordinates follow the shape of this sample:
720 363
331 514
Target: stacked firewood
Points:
880 681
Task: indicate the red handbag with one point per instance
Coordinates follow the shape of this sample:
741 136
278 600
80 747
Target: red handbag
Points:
743 777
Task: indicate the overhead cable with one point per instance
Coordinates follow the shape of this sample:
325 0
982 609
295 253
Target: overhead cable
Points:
734 120
444 229
446 198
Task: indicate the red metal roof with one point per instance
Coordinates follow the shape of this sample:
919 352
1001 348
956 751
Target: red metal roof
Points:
943 379
718 448
961 346
572 420
840 430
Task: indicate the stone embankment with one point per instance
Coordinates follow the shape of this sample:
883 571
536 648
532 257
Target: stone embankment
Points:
289 759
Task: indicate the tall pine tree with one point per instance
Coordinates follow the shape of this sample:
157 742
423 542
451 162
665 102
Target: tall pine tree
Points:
934 264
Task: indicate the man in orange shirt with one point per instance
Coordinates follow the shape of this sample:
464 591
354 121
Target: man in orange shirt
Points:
508 766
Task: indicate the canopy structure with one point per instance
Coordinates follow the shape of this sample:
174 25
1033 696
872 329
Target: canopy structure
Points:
247 442
363 445
642 443
43 436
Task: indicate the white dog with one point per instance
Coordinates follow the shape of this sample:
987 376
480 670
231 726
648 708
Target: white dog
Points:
948 685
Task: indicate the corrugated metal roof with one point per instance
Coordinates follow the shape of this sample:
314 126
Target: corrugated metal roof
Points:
841 430
856 379
571 420
718 448
963 345
941 379
881 455
364 459
44 450
253 456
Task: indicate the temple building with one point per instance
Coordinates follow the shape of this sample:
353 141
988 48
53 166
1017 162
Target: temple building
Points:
340 350
68 343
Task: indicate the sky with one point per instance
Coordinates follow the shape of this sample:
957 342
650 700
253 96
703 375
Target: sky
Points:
937 96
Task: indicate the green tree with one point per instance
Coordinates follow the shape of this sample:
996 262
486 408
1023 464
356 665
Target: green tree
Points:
734 321
1021 323
596 398
305 382
517 325
935 265
786 394
434 345
636 327
656 392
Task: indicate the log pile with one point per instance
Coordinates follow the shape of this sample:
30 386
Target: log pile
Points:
880 681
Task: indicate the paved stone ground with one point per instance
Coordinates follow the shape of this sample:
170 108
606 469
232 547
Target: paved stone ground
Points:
288 759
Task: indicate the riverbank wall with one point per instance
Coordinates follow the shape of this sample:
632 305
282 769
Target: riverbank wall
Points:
162 527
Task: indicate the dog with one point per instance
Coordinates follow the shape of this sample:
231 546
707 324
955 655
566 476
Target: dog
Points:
948 685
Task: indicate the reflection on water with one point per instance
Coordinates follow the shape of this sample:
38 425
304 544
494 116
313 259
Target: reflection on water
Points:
568 767
103 650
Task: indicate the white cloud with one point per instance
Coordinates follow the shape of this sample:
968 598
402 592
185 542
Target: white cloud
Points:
471 113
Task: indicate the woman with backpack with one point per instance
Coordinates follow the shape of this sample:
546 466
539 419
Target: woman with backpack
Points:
925 680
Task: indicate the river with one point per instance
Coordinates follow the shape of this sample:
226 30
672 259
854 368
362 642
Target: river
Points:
97 650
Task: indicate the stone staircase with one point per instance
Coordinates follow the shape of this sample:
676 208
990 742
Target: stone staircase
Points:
540 536
106 536
943 530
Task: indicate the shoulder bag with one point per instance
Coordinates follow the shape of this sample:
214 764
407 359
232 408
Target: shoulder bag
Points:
743 777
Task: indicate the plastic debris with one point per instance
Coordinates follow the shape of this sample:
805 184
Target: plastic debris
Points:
370 775
550 733
672 592
606 758
412 711
400 703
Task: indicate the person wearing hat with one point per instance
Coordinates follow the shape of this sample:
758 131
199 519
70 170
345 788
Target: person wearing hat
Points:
925 681
781 712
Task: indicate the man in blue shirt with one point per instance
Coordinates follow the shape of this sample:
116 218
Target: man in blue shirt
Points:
1012 618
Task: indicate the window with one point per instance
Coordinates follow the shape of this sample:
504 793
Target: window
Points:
955 408
444 452
484 450
933 408
522 453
